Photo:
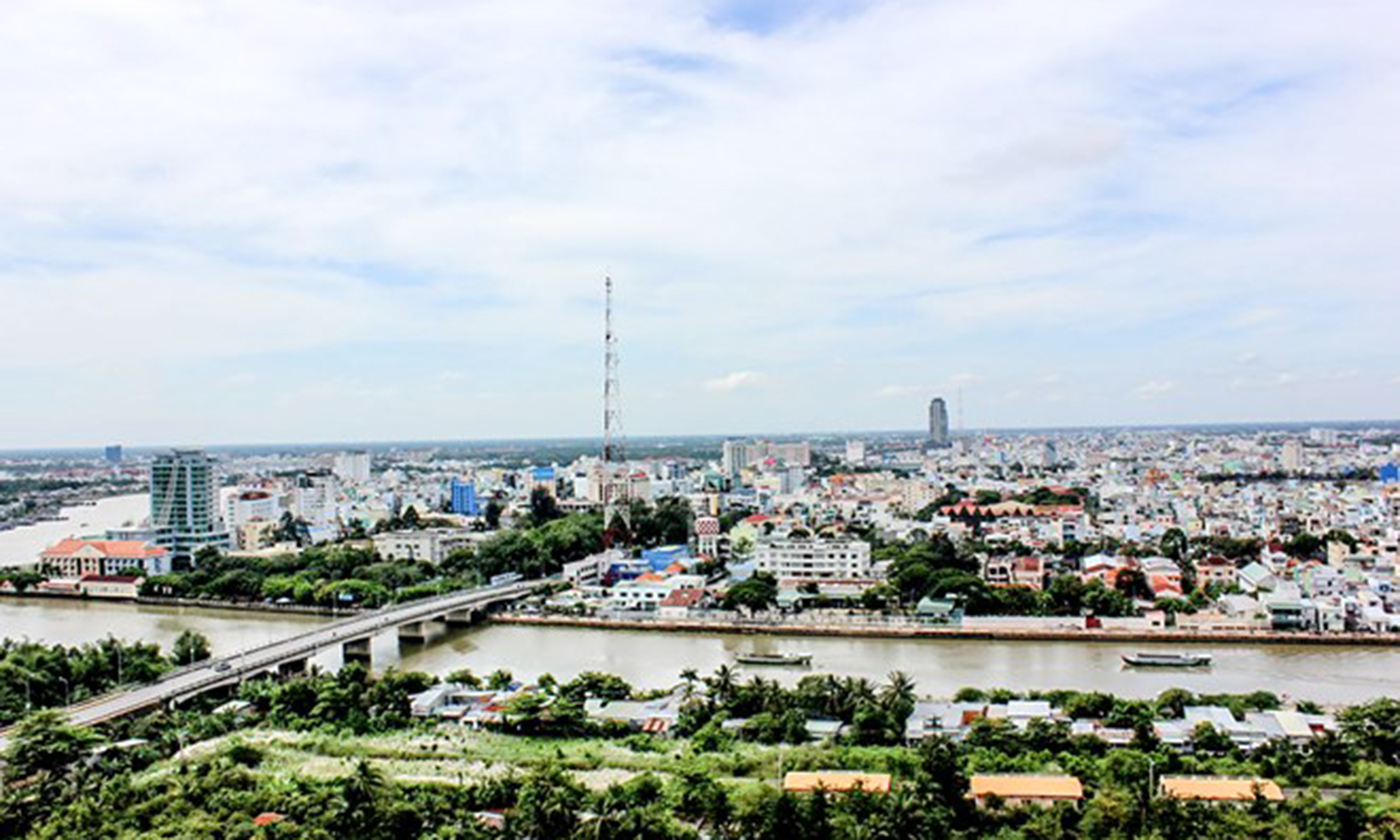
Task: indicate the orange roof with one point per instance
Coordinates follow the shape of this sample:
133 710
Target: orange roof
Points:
684 597
268 818
1215 788
1016 786
109 548
837 780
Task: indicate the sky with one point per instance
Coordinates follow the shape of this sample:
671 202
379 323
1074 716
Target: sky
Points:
317 220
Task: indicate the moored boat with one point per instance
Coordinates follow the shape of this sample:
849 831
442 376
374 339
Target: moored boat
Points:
1167 660
774 658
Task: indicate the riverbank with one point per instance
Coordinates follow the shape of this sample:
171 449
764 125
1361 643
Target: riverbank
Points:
903 631
191 603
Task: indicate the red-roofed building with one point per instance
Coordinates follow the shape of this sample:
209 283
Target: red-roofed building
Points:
72 558
681 601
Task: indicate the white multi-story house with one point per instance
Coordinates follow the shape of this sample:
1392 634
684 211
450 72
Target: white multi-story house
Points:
813 559
431 545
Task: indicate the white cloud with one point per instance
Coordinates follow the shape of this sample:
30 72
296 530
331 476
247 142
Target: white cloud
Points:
898 391
449 181
1154 388
734 381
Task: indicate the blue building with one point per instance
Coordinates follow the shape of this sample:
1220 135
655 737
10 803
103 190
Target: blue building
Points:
660 558
1390 474
464 498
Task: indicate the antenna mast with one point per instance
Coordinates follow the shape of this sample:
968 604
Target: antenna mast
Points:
614 454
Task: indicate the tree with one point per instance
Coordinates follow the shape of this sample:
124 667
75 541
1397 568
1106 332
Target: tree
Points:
1134 584
45 744
756 594
363 791
190 646
544 507
547 805
1173 544
898 695
493 514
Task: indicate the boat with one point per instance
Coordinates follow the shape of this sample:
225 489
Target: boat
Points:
774 658
1167 660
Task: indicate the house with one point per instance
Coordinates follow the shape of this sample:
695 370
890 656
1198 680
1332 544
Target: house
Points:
837 781
937 611
1015 571
652 716
681 602
110 586
1288 609
1014 789
1256 577
73 558
1216 569
1220 789
639 594
1163 575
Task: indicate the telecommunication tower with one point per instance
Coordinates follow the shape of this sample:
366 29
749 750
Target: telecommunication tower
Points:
614 451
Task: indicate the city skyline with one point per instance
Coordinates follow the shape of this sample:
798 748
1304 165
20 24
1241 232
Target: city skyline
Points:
393 225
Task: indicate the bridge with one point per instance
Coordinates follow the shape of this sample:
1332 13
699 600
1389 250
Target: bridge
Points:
291 655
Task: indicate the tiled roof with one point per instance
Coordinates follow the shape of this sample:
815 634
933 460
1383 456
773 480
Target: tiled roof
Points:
837 781
1009 786
109 548
1217 789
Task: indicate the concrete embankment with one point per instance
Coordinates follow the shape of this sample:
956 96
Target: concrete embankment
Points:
911 631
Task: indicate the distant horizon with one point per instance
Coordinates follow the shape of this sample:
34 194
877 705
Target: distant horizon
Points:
342 445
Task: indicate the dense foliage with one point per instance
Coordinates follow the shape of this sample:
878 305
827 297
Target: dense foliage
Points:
57 786
36 676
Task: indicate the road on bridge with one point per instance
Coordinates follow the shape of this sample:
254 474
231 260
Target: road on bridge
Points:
212 673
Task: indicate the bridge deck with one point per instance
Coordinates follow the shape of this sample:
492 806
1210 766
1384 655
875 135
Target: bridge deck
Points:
188 682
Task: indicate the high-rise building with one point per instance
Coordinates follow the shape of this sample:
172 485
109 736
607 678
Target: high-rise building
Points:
1292 455
352 467
464 498
938 422
185 504
314 497
113 454
734 456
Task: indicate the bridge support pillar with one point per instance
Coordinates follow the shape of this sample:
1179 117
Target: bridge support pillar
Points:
294 666
417 631
357 650
462 618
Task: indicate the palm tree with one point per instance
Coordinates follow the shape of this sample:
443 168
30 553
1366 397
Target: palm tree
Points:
898 693
721 685
688 679
362 791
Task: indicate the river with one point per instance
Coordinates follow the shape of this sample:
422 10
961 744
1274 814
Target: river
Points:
22 545
651 659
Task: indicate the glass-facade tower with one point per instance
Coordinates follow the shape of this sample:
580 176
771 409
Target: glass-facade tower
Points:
185 503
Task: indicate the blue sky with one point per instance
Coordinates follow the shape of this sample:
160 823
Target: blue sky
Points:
293 220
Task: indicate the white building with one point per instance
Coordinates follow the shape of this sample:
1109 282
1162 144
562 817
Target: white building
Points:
251 505
314 498
431 545
352 467
855 452
813 559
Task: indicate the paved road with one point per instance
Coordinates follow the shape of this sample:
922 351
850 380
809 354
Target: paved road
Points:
187 682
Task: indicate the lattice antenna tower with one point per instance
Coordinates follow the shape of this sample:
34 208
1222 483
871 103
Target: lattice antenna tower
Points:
614 448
